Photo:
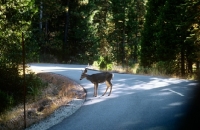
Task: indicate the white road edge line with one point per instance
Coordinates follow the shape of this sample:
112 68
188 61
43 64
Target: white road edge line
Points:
175 92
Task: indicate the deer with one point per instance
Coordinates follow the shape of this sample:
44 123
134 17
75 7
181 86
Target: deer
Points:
98 78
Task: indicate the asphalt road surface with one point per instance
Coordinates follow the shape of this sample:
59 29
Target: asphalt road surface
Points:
137 102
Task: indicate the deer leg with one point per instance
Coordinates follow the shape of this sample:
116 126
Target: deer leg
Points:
94 90
110 88
105 91
106 88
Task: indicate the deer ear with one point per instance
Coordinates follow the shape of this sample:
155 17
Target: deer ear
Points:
85 71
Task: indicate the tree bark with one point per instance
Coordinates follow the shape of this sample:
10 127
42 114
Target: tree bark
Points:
182 62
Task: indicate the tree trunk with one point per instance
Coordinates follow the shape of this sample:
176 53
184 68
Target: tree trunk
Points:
182 62
189 66
41 13
66 32
197 65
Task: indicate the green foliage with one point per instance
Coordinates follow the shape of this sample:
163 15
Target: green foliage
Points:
143 70
128 19
103 63
109 66
31 47
90 29
6 101
15 18
11 87
34 85
160 68
166 68
148 44
165 29
10 80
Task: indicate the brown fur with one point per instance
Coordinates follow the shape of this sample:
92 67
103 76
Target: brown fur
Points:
99 78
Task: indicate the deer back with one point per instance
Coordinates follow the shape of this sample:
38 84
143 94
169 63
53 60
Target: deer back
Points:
100 77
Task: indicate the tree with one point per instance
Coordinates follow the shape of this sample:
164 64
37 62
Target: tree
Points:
136 12
165 29
148 42
169 36
128 17
15 19
191 24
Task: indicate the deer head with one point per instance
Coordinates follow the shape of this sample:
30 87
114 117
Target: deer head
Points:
83 75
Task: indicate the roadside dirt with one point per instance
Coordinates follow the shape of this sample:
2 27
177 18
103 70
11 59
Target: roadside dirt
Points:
59 92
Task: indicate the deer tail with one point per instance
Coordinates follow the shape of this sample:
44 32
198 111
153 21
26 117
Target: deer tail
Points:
112 76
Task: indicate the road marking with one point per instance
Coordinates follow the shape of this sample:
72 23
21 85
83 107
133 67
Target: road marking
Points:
175 92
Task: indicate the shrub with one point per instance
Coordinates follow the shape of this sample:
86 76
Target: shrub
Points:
34 85
6 100
11 87
159 68
103 63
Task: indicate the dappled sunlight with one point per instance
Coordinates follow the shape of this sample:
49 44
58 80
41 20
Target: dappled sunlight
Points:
192 84
94 100
173 104
153 83
98 99
117 92
133 86
161 94
141 85
176 104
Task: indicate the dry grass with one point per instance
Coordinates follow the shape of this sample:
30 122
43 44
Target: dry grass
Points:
59 92
146 71
125 69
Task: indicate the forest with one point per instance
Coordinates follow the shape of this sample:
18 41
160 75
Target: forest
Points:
160 35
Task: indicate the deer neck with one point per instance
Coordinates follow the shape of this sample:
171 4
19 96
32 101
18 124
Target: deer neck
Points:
89 77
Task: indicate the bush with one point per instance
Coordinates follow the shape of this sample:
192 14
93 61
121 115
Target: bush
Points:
10 81
160 68
142 70
6 100
11 87
103 63
34 85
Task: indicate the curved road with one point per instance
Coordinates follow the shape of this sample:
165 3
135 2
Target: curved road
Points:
137 102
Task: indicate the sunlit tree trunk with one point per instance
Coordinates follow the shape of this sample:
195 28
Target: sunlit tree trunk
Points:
41 14
66 31
182 62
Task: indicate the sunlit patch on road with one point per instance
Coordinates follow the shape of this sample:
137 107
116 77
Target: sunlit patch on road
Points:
176 104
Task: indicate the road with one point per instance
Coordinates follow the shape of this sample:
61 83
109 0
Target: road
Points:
137 102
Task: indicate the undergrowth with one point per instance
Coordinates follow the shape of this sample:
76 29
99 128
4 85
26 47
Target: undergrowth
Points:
12 90
160 69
